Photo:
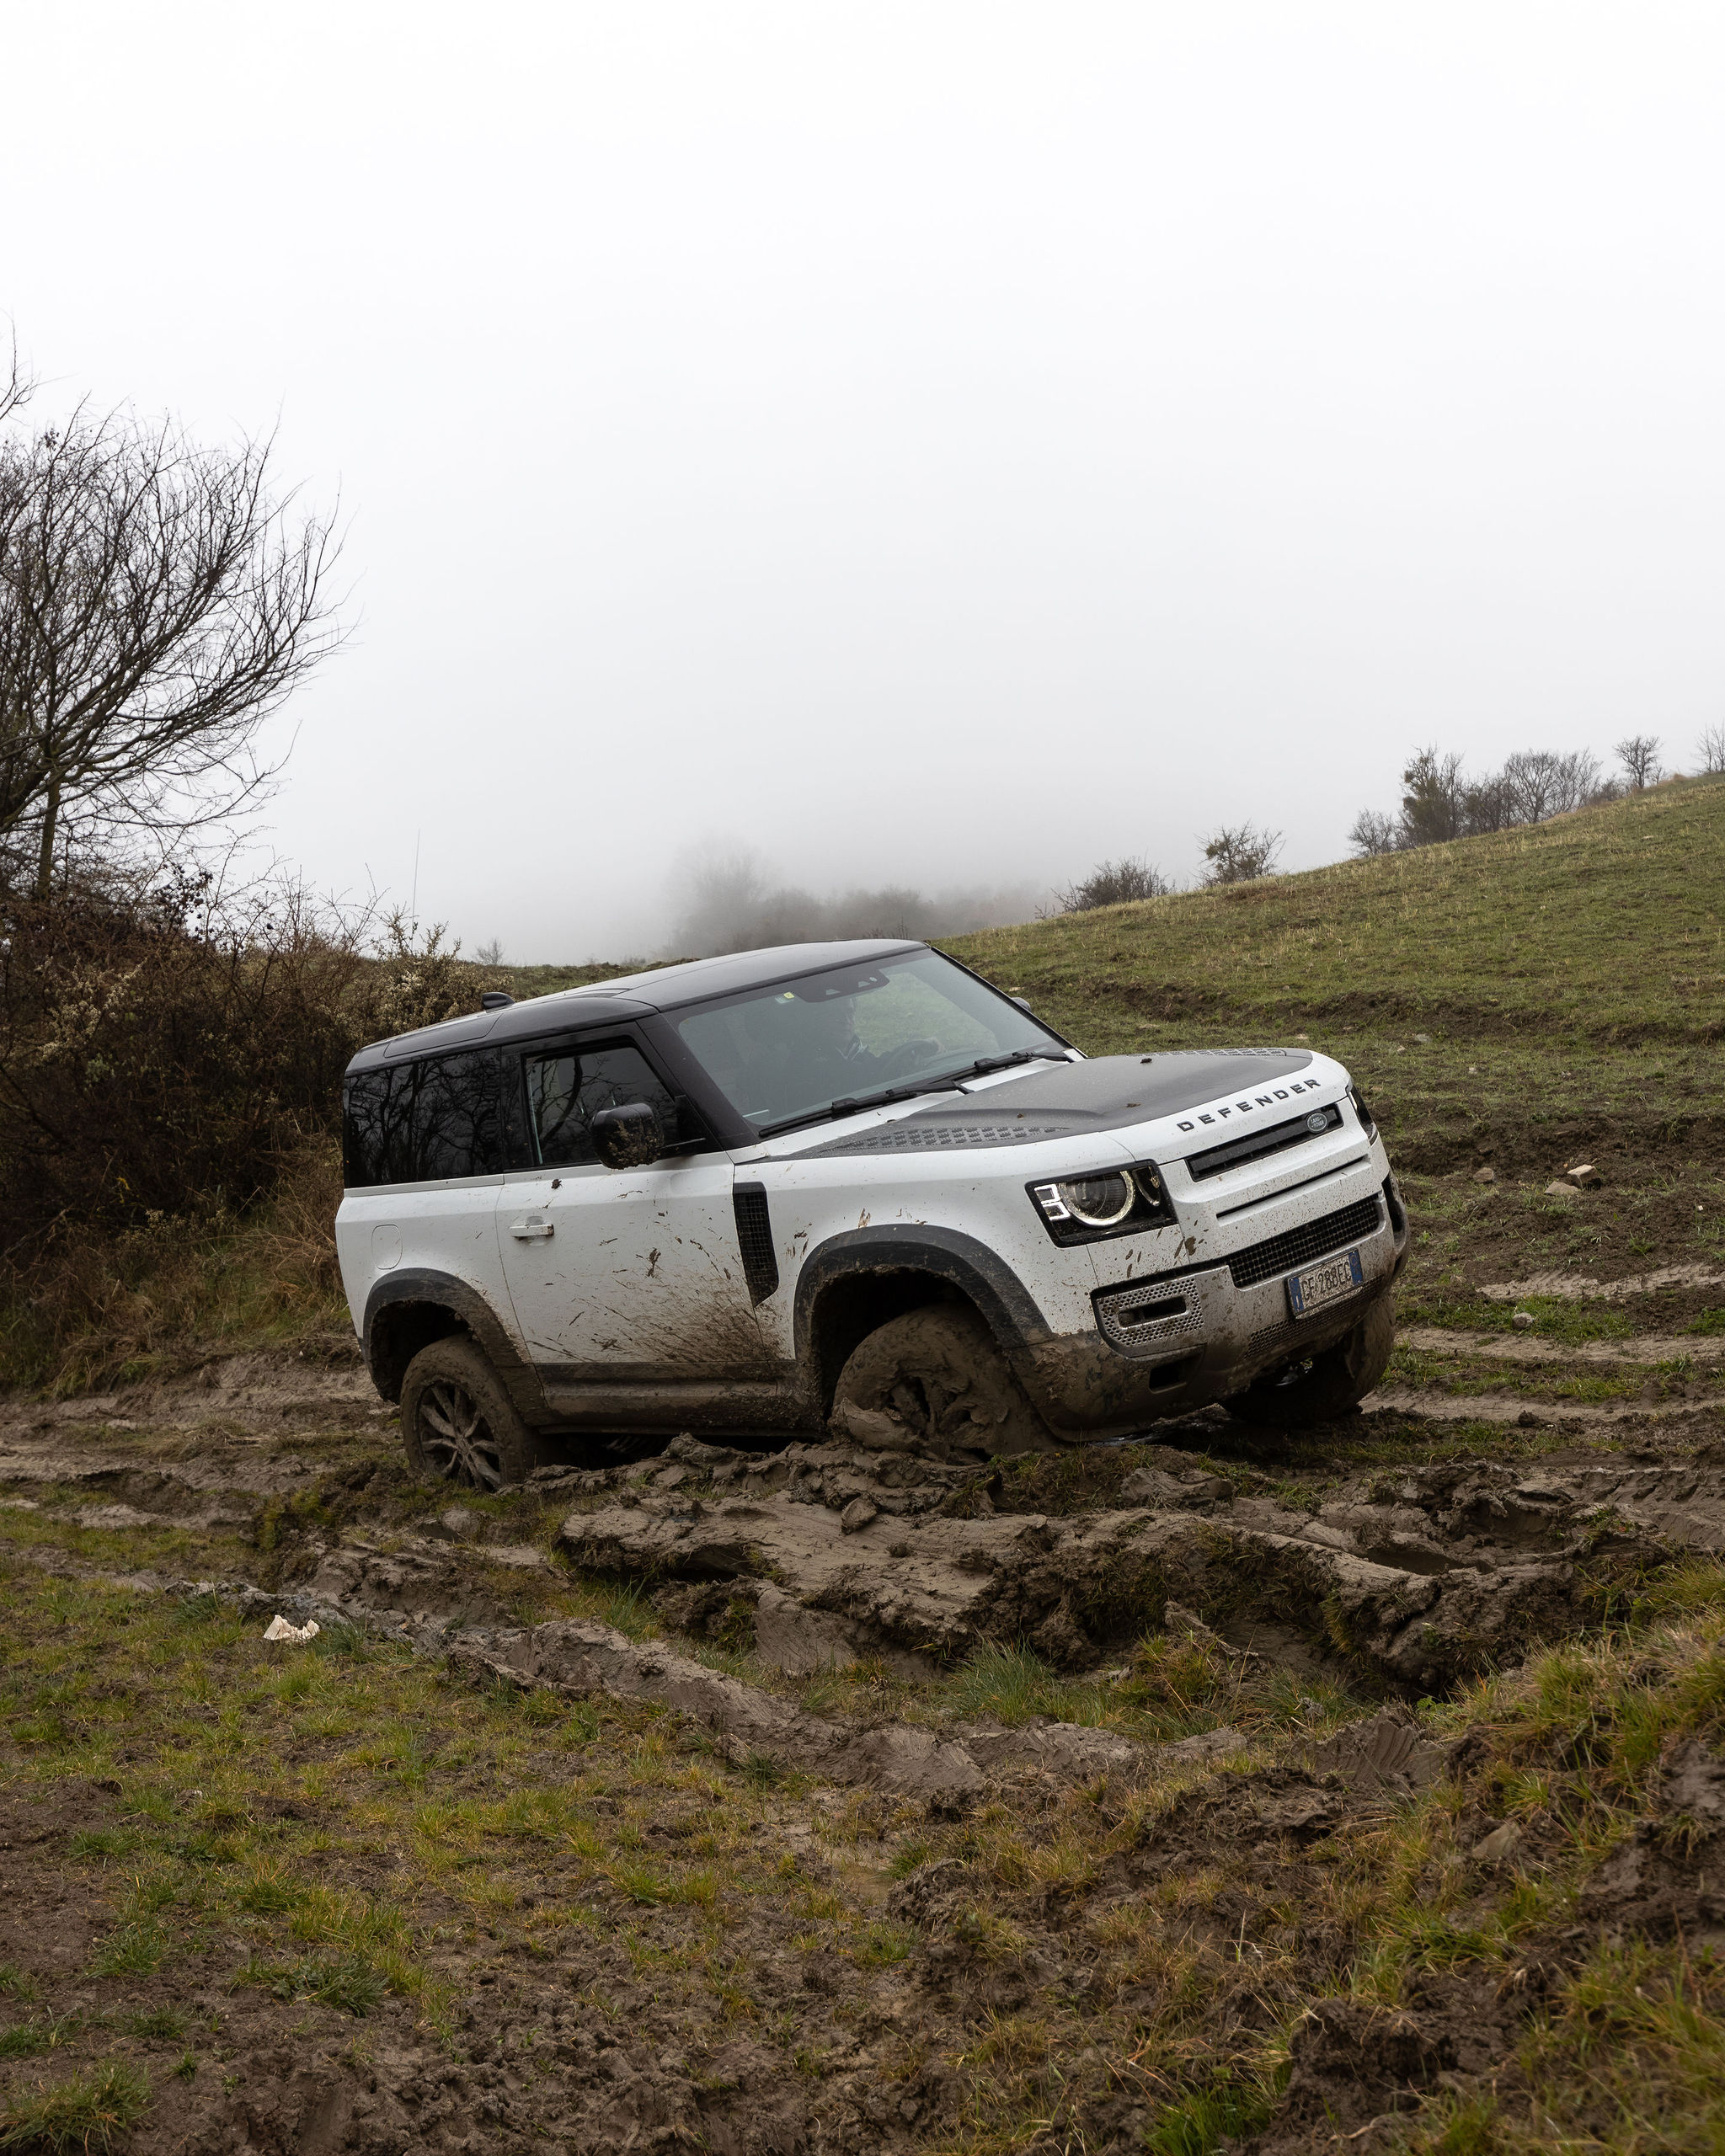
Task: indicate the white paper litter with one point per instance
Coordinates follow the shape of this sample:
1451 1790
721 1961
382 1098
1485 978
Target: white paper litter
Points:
278 1628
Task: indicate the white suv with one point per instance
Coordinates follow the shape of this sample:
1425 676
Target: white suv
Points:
848 1185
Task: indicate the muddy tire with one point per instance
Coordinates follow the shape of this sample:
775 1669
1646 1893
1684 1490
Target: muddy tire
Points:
933 1382
1328 1383
459 1425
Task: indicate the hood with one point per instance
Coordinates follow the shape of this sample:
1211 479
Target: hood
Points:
1064 1100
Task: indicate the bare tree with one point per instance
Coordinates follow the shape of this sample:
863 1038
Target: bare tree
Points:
159 600
1431 798
1372 833
490 953
1711 748
1114 884
1239 853
16 387
1639 755
1489 803
1540 783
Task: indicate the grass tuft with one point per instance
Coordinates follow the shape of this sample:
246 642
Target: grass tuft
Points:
86 2113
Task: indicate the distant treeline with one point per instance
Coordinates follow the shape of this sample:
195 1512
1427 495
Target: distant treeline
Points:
1439 801
734 905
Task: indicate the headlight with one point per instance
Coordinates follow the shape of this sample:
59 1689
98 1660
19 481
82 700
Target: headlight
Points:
1099 1202
1115 1203
1362 1111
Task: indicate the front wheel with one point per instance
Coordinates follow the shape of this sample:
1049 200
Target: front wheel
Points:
458 1423
1325 1385
933 1382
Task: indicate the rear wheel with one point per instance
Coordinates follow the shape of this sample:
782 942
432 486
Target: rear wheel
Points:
459 1424
933 1382
1329 1383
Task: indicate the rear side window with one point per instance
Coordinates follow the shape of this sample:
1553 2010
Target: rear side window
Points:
567 1087
425 1122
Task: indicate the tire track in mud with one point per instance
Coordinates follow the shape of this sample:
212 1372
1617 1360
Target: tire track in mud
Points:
1645 1348
1243 1548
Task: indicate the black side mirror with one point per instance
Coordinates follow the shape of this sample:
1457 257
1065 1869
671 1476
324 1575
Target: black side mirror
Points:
627 1137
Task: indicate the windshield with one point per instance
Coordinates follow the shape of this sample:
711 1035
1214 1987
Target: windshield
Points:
785 1054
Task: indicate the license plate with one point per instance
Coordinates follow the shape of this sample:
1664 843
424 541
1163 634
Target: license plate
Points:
1327 1283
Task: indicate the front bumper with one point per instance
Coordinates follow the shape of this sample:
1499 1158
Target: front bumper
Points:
1172 1342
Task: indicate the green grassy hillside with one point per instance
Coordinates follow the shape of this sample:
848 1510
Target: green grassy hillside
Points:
1522 1000
1602 926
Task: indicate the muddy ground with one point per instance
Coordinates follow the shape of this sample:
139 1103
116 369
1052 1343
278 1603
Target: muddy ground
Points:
1222 1789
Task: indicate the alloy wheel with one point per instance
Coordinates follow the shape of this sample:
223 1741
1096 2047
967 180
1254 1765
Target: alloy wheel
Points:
456 1439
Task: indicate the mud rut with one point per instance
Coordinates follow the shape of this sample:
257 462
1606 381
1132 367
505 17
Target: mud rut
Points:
1360 1569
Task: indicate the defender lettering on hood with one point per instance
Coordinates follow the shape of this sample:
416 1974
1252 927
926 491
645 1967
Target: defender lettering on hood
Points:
1262 1101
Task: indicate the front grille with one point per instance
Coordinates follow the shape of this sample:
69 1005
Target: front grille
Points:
754 1239
1218 1159
1315 1239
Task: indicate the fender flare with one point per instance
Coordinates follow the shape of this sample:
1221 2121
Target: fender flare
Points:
443 1290
909 1246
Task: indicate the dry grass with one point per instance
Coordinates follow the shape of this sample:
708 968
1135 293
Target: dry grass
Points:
97 1309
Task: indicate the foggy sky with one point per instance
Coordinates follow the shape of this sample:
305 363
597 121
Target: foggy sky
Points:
946 444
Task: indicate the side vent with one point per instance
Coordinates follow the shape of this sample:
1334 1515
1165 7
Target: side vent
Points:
755 1235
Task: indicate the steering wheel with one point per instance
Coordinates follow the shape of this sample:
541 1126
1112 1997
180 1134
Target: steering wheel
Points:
905 1058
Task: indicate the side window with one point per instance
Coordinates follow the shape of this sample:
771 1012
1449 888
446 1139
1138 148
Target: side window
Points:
455 1117
425 1122
365 1143
567 1087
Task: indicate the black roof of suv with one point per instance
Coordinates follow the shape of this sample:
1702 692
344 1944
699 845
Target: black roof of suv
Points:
631 995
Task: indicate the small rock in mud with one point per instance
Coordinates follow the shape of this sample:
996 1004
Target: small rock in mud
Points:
1498 1844
1180 1623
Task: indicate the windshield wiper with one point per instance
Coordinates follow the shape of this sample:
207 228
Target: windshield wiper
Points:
1006 1062
856 1103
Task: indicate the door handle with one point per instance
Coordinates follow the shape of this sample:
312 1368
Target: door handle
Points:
529 1232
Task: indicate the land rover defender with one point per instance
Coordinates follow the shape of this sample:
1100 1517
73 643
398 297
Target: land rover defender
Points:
848 1186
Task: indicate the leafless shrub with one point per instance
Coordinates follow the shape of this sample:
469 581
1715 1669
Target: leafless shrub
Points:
1710 749
1111 884
1639 755
1540 783
165 1048
1373 833
1239 853
93 1303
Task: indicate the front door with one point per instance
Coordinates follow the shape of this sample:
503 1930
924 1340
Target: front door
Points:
630 1276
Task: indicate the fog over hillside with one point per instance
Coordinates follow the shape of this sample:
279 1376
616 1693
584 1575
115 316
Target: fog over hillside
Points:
939 449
